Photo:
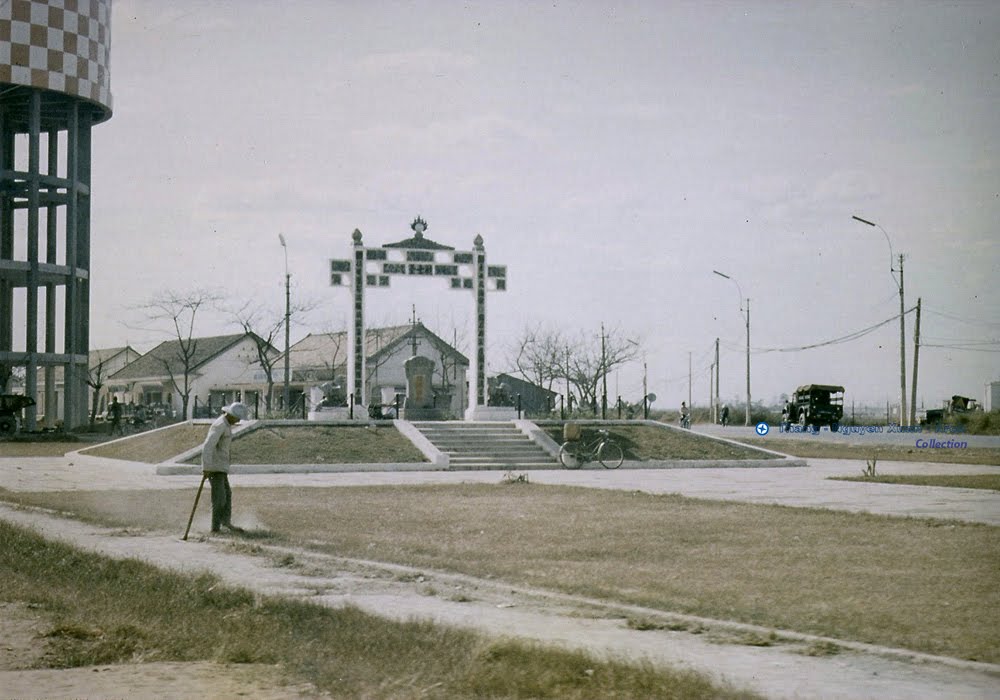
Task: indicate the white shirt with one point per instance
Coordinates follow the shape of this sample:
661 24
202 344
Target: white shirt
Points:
215 451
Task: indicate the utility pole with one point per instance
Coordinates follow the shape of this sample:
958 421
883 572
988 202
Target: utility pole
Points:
569 407
689 380
716 380
288 313
748 363
604 377
645 393
711 396
902 321
902 347
916 357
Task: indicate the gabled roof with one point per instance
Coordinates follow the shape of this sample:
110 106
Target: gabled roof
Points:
95 359
105 355
420 330
330 350
155 363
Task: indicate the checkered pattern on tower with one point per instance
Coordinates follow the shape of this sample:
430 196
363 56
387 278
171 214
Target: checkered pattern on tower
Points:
61 45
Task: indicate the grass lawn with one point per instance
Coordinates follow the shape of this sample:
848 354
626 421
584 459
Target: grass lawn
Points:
901 453
649 442
102 611
363 444
962 481
926 585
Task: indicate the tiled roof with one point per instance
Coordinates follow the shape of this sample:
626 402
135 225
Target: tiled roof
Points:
168 354
330 350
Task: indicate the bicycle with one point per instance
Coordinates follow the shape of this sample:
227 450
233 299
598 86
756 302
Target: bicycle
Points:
573 454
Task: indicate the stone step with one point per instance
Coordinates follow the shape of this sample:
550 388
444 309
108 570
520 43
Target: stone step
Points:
486 446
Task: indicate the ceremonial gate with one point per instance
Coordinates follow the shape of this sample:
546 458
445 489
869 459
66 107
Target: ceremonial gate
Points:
417 256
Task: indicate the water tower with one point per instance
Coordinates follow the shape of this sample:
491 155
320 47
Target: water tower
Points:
54 87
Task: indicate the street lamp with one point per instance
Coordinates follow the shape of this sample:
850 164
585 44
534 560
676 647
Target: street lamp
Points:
288 313
902 319
740 292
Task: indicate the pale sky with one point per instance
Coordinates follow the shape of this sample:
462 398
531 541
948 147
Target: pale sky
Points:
611 157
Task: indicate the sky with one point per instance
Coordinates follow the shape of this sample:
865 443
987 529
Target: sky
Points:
610 155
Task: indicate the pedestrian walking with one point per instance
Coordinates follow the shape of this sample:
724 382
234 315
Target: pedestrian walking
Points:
215 462
115 412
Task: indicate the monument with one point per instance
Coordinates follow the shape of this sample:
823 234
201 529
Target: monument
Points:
465 271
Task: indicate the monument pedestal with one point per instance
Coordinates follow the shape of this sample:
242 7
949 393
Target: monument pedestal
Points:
490 413
412 414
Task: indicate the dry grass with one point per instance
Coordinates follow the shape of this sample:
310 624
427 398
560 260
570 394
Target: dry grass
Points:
22 448
102 611
273 445
990 482
926 585
153 447
651 442
325 445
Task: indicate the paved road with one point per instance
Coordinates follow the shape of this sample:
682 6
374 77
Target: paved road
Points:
791 486
850 436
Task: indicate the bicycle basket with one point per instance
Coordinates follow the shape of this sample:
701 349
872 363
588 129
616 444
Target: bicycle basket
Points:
572 431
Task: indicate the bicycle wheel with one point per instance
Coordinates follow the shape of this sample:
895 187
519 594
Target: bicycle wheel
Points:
568 457
610 455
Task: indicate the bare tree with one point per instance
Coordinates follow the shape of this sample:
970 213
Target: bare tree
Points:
449 360
95 380
592 358
179 310
544 356
264 327
539 355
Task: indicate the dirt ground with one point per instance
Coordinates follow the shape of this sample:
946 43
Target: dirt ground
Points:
785 665
22 653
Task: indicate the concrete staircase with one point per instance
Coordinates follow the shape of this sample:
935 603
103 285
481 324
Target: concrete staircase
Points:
494 445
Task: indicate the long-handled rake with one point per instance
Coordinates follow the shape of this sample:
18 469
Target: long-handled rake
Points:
197 496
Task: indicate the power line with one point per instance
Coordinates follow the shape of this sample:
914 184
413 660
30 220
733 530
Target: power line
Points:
953 317
959 347
835 341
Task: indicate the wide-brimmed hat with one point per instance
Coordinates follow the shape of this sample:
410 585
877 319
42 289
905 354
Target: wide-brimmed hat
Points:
237 410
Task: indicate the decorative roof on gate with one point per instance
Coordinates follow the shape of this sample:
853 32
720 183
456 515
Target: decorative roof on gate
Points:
418 241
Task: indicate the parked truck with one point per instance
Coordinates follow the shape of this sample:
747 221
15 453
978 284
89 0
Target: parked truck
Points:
815 405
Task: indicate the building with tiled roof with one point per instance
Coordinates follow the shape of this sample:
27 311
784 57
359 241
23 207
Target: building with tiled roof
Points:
320 360
219 369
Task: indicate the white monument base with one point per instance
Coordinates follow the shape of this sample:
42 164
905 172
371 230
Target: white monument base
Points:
488 413
336 413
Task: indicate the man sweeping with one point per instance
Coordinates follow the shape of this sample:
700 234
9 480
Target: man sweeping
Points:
215 464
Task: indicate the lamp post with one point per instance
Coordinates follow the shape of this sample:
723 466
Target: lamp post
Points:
902 319
740 292
288 313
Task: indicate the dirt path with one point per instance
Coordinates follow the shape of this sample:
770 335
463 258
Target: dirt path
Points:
723 649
